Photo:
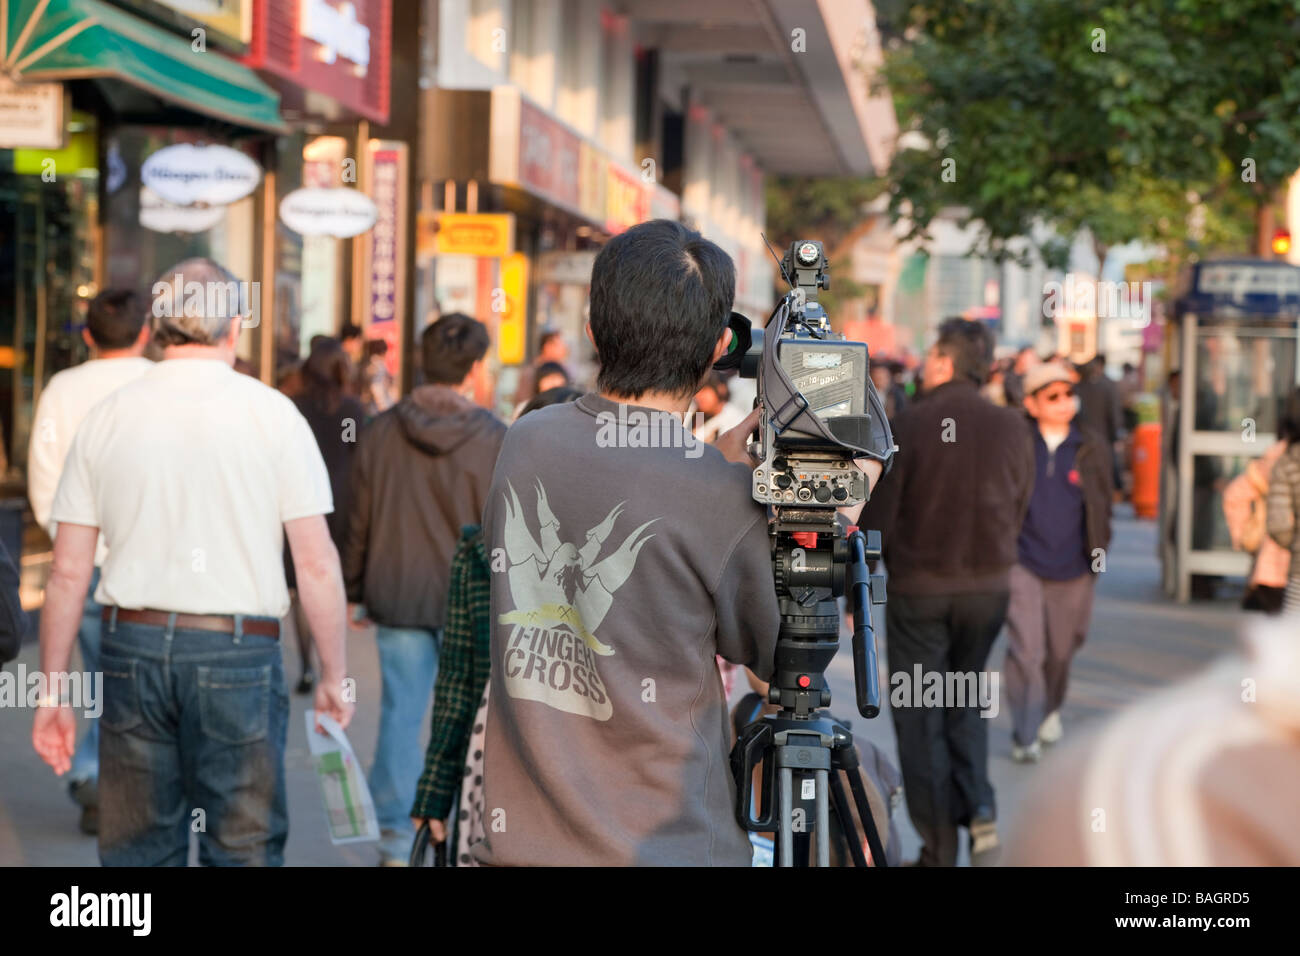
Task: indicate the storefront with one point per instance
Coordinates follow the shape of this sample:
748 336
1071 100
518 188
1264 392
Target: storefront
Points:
93 91
564 197
329 61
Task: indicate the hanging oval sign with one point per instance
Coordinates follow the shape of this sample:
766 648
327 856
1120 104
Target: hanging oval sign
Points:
158 215
186 174
338 212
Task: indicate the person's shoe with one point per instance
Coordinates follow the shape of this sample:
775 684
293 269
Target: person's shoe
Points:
306 684
984 845
394 848
86 795
1030 754
1051 731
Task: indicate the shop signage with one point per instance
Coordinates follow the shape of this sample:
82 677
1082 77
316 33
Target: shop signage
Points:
387 281
1239 279
158 215
31 115
186 174
549 156
476 234
591 183
340 212
229 19
336 31
626 202
511 339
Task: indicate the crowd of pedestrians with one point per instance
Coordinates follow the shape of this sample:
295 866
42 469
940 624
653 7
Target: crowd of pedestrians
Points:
196 513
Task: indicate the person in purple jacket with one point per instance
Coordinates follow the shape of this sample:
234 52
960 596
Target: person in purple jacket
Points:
1062 547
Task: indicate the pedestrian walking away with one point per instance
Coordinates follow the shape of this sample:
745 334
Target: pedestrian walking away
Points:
949 513
117 333
195 474
421 473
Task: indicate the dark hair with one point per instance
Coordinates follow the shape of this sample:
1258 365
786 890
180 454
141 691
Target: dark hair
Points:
1288 428
551 368
546 336
451 346
660 298
970 346
376 347
114 318
326 371
552 396
350 331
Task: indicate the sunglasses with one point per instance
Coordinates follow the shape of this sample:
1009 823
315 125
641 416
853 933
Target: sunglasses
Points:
1059 395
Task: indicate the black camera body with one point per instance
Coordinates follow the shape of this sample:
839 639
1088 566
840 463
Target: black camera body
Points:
820 409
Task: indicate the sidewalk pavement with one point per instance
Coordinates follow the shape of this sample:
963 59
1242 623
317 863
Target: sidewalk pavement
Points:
1139 641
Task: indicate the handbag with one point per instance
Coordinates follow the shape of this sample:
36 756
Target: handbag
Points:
423 844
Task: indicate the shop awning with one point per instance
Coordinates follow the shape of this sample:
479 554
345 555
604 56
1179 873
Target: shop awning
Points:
48 40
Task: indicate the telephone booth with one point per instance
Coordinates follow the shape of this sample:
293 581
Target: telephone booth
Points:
1233 340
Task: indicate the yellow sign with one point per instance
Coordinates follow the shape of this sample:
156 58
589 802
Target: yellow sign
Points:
514 312
476 234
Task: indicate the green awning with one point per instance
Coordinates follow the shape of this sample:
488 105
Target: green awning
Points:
47 40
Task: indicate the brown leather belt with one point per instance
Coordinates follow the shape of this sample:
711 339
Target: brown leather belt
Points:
221 623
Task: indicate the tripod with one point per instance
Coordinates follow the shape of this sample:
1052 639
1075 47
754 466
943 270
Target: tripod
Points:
801 749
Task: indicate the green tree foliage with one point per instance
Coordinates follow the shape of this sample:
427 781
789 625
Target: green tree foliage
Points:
1119 115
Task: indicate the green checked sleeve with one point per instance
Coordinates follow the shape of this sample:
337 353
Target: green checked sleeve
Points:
462 674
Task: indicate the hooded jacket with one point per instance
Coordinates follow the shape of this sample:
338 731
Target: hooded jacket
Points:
421 471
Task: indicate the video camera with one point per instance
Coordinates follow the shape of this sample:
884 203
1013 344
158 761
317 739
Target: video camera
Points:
820 411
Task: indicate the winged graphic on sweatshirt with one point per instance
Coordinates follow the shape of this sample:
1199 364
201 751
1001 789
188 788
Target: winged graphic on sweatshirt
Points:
553 581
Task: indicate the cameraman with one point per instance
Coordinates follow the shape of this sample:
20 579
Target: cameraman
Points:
625 554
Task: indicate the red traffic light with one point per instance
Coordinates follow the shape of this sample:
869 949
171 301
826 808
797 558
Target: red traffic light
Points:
1281 242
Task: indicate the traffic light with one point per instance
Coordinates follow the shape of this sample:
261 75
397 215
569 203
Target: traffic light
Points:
1281 242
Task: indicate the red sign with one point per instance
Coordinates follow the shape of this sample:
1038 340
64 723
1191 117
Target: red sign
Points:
342 50
627 201
549 156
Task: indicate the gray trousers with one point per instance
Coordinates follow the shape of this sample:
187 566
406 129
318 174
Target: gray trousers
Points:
1047 622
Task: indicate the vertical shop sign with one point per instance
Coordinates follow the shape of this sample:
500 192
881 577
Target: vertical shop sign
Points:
386 278
511 339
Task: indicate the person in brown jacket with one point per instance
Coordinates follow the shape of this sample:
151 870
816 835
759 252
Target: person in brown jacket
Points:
421 471
949 513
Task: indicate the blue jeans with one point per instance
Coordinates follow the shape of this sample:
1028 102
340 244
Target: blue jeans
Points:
408 663
85 762
192 740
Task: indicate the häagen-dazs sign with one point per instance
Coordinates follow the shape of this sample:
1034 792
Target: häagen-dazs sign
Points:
339 212
186 174
158 215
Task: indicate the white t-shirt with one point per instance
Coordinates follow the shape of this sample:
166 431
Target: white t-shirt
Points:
64 404
190 472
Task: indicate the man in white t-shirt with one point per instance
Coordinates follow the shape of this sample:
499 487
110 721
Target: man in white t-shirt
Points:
195 474
116 331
